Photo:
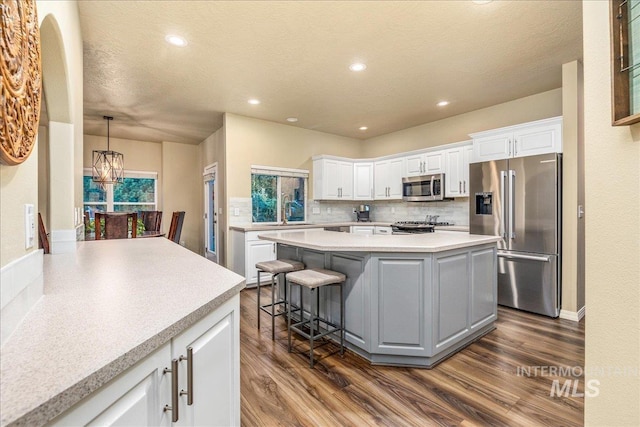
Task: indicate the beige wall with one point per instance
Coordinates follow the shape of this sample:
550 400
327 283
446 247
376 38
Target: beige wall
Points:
19 184
572 181
181 190
258 142
457 128
612 183
43 175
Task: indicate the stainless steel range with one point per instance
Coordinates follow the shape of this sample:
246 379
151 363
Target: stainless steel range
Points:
412 227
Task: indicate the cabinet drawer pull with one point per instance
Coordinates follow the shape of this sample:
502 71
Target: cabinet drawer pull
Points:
174 390
189 391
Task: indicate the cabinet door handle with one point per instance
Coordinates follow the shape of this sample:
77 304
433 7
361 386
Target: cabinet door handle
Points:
515 147
189 360
464 186
509 147
459 186
174 390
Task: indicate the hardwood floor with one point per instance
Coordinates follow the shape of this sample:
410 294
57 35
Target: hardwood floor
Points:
484 384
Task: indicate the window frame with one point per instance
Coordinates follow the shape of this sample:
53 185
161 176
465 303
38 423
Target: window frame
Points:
111 203
621 114
281 173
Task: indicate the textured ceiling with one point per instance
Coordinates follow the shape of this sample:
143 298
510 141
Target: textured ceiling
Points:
294 57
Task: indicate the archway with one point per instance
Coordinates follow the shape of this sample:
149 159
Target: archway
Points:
55 141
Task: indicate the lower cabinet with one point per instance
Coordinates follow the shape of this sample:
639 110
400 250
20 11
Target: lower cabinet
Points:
400 295
210 396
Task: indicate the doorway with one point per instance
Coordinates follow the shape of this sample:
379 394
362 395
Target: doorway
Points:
211 212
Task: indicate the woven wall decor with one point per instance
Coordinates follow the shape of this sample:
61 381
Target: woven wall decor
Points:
20 80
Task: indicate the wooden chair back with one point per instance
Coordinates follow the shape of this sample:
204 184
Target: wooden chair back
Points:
116 225
43 236
151 220
175 228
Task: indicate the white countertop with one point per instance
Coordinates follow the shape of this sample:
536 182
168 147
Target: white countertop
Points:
105 307
437 241
293 226
272 227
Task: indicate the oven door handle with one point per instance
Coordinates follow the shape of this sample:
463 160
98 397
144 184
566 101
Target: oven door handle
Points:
431 186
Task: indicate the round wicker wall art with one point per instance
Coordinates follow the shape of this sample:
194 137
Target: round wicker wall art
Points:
20 80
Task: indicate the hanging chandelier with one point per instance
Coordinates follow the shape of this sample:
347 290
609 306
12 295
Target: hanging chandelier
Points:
108 166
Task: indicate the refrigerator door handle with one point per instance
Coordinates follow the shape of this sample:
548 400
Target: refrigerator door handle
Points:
541 258
512 205
503 191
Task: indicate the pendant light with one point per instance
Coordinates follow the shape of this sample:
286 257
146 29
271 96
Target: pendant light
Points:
108 166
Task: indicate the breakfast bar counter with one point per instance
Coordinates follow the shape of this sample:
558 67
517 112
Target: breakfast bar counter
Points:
108 308
410 300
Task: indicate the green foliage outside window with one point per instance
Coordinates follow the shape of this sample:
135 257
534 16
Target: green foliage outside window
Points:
264 198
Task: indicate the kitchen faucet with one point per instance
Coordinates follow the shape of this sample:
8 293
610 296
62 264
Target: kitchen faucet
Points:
283 213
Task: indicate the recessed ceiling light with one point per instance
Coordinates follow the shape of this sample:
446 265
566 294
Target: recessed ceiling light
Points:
292 119
442 103
357 67
254 101
363 128
176 40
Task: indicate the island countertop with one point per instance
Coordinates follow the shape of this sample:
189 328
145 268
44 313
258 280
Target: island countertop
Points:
105 307
437 241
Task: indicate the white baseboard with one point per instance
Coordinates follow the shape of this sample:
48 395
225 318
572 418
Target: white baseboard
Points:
575 316
21 286
63 241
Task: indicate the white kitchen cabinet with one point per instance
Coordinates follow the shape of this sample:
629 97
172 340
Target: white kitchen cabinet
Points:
363 229
139 395
528 139
215 350
427 163
388 179
332 179
380 229
259 251
136 397
363 181
457 171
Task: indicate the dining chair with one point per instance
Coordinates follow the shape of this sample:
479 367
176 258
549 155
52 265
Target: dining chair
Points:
116 225
175 228
151 220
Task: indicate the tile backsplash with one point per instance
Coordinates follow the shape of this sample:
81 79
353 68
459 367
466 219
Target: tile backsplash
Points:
455 211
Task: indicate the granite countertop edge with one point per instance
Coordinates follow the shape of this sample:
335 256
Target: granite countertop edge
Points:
65 400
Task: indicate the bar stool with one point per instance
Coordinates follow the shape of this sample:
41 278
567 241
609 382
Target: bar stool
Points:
275 267
313 279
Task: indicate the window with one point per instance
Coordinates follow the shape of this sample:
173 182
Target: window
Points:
277 194
138 192
625 67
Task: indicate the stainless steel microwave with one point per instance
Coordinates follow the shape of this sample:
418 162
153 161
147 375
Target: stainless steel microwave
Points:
424 188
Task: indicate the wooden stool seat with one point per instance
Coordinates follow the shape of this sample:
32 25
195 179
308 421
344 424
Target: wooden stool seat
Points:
314 279
275 267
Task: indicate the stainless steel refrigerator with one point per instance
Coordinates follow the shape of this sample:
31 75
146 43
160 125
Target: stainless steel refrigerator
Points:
520 199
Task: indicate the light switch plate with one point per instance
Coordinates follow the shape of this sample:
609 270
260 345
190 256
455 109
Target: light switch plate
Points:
29 226
316 210
236 211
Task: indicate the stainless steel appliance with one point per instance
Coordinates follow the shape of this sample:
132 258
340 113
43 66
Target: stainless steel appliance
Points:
424 188
520 199
362 213
411 227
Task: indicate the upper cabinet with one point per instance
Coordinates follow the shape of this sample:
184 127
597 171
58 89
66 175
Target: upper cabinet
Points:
539 137
457 171
425 163
388 179
363 181
332 179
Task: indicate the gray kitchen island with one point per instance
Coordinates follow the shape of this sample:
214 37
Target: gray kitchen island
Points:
410 300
